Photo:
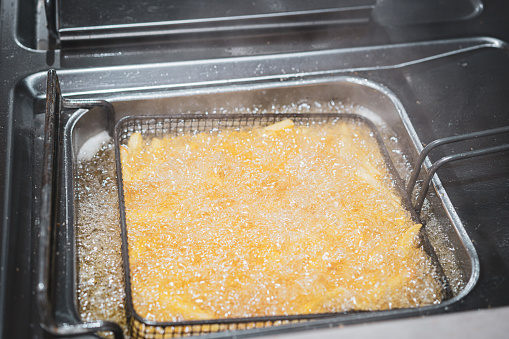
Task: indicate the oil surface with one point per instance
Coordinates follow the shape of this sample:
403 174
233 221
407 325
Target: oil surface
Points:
100 276
101 294
280 220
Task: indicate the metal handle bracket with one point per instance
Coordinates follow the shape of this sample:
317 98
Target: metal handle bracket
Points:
444 160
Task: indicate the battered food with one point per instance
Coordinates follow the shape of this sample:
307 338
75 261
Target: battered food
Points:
279 220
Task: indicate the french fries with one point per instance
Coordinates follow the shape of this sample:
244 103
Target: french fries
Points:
237 224
280 126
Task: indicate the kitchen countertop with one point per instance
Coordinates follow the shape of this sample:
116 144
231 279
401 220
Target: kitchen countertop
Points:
487 323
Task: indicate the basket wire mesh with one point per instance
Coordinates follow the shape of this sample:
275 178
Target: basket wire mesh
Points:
160 126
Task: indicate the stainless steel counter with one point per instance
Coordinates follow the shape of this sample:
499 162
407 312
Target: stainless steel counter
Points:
487 323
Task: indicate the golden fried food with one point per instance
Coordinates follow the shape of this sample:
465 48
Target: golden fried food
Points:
278 220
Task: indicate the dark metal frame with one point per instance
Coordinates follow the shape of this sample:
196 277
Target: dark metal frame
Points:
55 104
339 13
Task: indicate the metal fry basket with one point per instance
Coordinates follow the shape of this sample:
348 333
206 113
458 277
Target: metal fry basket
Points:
158 126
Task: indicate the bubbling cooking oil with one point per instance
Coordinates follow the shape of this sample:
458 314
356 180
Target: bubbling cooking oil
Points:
101 294
279 220
100 275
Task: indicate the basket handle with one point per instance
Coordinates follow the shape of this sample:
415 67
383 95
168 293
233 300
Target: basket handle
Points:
49 204
444 160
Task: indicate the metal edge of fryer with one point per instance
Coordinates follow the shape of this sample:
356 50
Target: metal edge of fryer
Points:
457 224
48 219
445 200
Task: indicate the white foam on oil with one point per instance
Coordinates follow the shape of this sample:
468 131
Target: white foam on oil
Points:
370 115
92 146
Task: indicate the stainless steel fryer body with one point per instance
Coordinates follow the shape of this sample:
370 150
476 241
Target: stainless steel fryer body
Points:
351 91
